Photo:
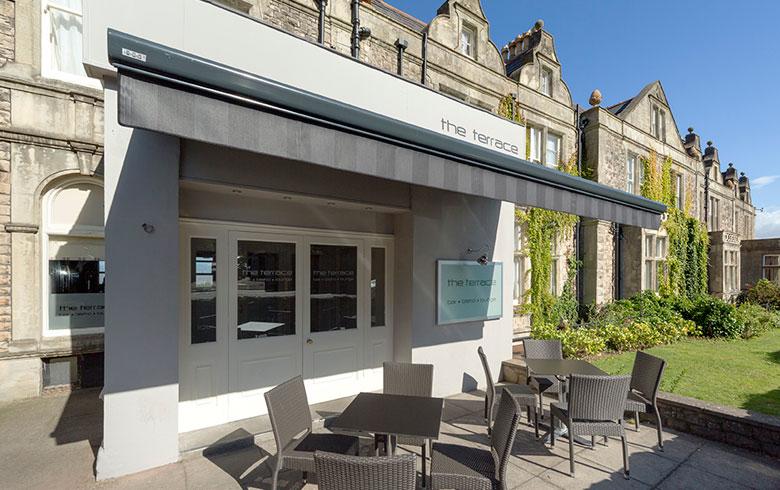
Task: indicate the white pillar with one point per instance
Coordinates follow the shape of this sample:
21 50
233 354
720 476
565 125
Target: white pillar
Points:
141 392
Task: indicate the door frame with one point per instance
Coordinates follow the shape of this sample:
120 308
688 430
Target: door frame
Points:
371 338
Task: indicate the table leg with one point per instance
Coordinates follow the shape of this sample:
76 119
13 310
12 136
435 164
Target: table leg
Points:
388 445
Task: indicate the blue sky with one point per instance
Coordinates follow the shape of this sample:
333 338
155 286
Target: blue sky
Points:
718 60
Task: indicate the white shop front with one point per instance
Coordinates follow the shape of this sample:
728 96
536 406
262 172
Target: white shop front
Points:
262 223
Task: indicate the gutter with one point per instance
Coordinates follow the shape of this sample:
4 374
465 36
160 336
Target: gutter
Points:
173 67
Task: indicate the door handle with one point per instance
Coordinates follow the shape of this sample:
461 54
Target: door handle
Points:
309 341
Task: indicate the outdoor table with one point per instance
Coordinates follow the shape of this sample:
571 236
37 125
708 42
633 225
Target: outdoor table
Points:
394 415
561 369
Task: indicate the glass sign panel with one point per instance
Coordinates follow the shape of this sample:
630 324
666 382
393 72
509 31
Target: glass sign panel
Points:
266 289
469 291
377 287
333 288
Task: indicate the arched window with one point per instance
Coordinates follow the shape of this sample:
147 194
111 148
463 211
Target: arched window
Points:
74 267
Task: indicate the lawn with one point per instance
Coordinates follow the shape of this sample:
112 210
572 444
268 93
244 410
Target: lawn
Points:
737 373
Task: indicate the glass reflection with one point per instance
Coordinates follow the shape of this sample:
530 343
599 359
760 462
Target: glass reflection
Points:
333 288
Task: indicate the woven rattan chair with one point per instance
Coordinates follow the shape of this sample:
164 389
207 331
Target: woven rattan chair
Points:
543 349
472 468
595 408
523 395
645 380
402 378
343 472
288 409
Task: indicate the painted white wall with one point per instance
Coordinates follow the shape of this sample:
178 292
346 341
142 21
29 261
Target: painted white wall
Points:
251 46
444 225
141 391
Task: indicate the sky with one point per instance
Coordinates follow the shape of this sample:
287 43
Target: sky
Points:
718 60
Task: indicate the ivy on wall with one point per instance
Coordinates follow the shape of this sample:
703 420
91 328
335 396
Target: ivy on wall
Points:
685 270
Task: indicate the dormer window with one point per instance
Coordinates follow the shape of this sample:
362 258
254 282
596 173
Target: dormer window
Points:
468 41
658 123
546 81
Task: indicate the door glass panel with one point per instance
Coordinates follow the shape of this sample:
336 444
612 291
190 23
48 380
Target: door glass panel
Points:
203 290
333 288
266 289
377 287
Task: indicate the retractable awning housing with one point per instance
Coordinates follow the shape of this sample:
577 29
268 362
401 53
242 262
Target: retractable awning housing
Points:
167 90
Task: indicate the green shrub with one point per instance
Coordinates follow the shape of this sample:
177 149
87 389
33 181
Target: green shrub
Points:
716 318
756 319
764 293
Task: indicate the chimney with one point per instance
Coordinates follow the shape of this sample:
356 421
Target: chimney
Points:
693 143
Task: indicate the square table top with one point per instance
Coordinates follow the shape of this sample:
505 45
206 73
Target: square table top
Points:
400 415
561 367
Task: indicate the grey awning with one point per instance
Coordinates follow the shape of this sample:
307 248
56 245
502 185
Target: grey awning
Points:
179 96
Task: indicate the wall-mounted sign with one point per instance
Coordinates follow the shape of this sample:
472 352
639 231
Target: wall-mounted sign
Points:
468 291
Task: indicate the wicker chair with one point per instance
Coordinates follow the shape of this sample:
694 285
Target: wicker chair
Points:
595 408
288 409
342 472
645 380
471 468
543 349
401 378
522 394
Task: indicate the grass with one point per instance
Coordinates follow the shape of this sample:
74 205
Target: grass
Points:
736 373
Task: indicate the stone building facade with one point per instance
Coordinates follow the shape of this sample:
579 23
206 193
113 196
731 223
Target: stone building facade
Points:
760 260
622 261
51 201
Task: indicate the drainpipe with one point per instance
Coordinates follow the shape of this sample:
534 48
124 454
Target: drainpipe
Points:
401 44
618 229
358 33
424 70
321 29
578 249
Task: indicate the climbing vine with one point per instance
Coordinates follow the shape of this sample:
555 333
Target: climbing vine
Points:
542 228
685 271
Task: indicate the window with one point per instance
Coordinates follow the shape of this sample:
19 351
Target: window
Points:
731 271
771 268
203 290
468 40
714 220
631 164
552 153
654 259
536 143
546 81
679 191
519 284
333 303
658 123
74 254
557 259
378 287
61 46
545 146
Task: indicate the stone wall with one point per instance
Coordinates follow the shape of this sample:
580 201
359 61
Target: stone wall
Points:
733 426
7 31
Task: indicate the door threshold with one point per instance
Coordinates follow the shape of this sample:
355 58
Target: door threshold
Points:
243 433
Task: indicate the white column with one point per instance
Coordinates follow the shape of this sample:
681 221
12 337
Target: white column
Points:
141 392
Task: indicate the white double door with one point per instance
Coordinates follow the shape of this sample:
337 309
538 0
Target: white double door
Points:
263 304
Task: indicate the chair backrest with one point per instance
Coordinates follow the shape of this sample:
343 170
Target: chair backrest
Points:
340 471
502 438
597 398
403 378
542 349
646 375
490 390
288 409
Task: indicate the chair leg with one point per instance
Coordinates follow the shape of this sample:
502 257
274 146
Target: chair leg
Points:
528 414
571 452
541 407
552 429
659 428
625 457
592 443
424 456
636 420
536 423
276 476
486 406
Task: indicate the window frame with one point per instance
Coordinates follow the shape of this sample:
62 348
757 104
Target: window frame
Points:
544 133
651 254
765 268
631 175
546 70
467 28
49 232
520 268
658 123
731 272
47 71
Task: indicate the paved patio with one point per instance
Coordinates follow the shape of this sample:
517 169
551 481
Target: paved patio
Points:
51 442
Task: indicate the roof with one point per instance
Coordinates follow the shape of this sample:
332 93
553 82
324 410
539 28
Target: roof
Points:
399 16
622 109
619 107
